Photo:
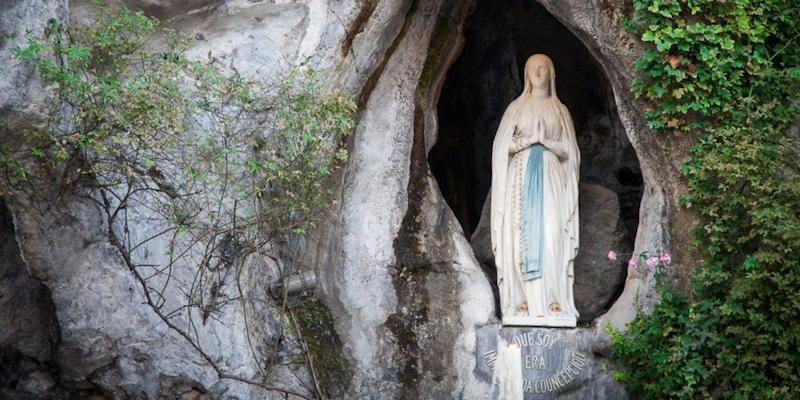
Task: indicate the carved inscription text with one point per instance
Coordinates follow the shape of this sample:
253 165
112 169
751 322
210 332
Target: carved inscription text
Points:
535 363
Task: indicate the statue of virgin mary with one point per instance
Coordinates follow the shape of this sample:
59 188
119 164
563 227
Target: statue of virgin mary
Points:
534 204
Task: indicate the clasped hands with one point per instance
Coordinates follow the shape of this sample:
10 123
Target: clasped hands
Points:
522 140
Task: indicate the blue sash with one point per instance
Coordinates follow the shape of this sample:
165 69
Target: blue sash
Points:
532 215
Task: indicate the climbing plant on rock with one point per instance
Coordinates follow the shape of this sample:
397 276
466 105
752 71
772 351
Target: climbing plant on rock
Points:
179 154
729 73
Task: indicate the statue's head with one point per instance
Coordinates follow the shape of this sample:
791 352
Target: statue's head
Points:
540 76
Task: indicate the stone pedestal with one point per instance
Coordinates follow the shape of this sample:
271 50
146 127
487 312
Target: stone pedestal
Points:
526 363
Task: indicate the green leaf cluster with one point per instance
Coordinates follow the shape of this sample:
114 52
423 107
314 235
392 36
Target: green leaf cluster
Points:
708 56
733 82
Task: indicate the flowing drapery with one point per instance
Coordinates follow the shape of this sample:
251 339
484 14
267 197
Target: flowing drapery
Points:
550 295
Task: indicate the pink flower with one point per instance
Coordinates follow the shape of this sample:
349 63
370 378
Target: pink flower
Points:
665 258
652 261
632 263
612 256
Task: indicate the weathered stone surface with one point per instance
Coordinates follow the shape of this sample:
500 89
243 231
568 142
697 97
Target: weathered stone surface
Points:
29 333
165 9
110 338
408 304
23 94
25 303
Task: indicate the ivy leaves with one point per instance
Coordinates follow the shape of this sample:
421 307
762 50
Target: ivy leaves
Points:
727 72
706 55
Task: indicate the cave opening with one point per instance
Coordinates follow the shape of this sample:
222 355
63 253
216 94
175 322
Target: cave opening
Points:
499 37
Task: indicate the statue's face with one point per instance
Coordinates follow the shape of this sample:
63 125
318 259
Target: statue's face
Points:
539 73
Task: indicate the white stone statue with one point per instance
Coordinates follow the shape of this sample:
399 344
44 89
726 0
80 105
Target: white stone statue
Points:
534 204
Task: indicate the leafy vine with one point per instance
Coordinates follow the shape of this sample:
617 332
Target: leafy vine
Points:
726 71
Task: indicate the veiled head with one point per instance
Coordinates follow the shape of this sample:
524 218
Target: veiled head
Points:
540 76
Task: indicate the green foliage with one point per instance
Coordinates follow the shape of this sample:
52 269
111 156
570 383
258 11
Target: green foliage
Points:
727 69
709 56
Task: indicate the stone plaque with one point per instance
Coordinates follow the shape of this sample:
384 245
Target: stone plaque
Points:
541 362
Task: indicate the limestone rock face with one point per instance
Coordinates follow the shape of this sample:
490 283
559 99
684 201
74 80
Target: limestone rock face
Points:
23 94
110 339
405 288
31 332
24 302
409 290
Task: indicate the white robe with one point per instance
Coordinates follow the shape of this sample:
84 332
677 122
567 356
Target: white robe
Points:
549 299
